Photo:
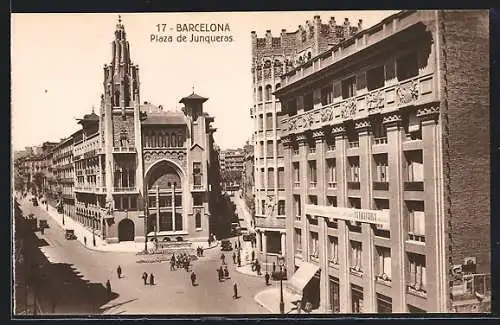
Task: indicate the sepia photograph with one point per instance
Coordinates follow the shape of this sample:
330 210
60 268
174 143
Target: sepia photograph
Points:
250 163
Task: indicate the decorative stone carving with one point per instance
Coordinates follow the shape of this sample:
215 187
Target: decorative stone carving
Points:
292 124
337 130
318 135
348 108
391 119
407 92
362 125
153 155
267 73
286 141
327 114
375 100
428 112
301 139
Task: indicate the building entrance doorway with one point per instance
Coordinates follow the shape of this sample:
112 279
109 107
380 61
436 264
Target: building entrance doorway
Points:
126 230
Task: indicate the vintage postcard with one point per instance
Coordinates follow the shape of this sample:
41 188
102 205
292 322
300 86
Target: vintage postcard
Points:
235 163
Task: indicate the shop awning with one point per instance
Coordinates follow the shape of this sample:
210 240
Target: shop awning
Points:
303 275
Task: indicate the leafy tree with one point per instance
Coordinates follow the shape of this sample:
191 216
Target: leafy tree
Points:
19 182
38 180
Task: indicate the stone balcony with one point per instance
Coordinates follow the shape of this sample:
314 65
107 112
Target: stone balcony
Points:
128 149
390 98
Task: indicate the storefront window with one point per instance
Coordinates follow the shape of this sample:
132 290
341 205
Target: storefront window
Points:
357 298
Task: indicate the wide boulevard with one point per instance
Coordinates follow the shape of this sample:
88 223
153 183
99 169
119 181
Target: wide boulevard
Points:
75 278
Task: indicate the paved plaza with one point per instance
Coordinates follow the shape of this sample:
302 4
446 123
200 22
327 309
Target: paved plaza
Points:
75 269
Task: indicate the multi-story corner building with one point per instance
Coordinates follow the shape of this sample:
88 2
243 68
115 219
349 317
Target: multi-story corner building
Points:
231 162
132 160
248 181
272 57
387 167
61 181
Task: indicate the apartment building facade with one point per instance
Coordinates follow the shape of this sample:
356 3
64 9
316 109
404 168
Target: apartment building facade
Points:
271 58
386 156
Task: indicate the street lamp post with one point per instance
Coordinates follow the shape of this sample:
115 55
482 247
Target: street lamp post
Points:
282 303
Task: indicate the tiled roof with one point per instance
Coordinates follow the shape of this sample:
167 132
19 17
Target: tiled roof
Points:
172 118
193 96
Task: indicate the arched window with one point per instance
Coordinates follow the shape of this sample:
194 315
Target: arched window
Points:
167 140
117 98
172 142
180 143
268 92
155 140
162 144
259 94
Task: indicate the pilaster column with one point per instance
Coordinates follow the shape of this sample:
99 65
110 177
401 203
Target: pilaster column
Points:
173 207
289 211
343 248
259 239
319 138
435 260
304 184
397 228
264 244
368 248
157 226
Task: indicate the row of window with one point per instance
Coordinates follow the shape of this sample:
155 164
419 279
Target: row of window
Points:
416 277
268 151
414 213
268 92
270 177
413 168
406 67
162 139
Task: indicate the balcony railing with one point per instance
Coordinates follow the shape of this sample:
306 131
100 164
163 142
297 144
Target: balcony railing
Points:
471 286
353 185
313 184
198 187
353 144
380 140
124 189
414 186
124 150
356 271
384 99
380 186
296 184
417 290
331 147
416 237
332 185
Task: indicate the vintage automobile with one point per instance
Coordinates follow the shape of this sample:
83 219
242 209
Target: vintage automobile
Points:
42 224
226 245
70 234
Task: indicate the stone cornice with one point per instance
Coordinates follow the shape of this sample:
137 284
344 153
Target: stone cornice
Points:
362 125
391 119
318 135
338 130
430 112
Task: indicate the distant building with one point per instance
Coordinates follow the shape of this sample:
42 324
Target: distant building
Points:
231 162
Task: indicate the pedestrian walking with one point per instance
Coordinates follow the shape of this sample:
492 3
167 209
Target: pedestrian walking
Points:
219 274
193 278
239 261
85 240
235 290
274 267
108 288
151 279
145 278
234 258
253 265
257 266
223 258
267 278
253 255
119 271
201 251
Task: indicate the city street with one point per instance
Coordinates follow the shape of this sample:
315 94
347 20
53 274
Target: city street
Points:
172 293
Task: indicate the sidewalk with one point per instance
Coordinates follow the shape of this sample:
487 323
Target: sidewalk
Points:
101 245
270 299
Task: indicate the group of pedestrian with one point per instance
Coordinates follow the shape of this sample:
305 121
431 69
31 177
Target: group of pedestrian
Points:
223 273
199 251
151 278
237 258
256 266
180 261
